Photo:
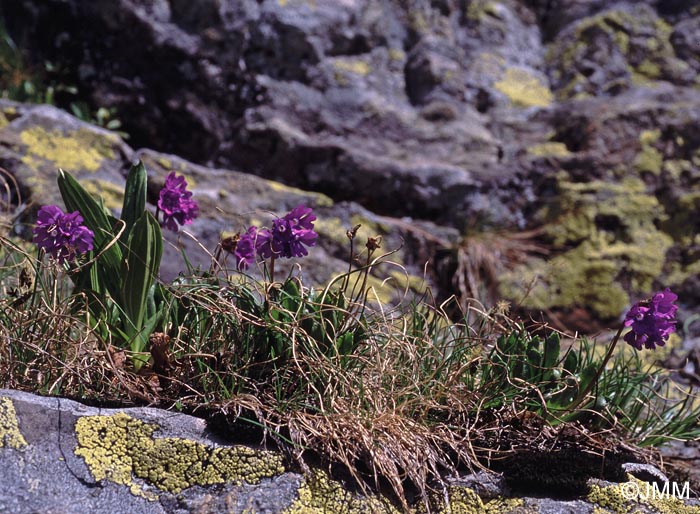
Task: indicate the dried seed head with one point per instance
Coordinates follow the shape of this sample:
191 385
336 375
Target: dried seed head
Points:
373 243
230 243
502 307
351 233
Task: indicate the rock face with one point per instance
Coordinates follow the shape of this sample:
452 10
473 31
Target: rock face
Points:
573 118
58 456
36 141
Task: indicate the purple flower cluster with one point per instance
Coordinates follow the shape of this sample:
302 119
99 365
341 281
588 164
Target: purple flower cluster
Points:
245 249
62 235
651 321
289 237
176 203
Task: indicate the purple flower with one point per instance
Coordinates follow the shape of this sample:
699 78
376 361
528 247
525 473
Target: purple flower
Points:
289 236
651 321
245 249
176 203
62 235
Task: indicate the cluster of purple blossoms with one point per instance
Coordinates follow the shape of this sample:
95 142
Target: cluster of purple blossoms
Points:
176 203
289 237
62 235
651 321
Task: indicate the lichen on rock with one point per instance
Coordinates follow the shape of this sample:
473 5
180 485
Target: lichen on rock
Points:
119 447
319 494
524 89
607 244
638 496
10 436
649 159
73 150
615 50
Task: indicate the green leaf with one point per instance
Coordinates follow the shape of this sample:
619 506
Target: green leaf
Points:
140 269
345 343
551 351
571 362
76 198
134 198
588 374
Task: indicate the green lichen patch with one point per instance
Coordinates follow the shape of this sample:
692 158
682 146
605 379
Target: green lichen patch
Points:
119 447
73 150
607 244
524 89
10 436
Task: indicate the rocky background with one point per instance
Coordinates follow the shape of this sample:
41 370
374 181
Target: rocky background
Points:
545 151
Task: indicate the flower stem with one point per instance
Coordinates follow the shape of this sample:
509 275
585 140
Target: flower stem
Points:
592 383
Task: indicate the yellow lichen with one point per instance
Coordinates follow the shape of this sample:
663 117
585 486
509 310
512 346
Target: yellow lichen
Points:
464 500
480 9
10 435
319 494
396 54
549 149
610 497
165 163
629 496
320 200
3 120
418 22
649 159
346 67
74 150
676 167
119 447
683 225
605 232
524 89
332 229
647 61
111 193
411 282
